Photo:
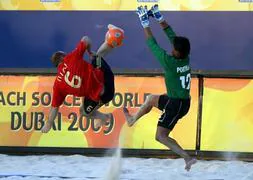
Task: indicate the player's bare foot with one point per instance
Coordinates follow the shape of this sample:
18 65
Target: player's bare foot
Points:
46 127
129 118
189 163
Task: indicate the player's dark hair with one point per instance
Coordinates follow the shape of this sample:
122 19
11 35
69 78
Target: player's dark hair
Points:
182 45
57 58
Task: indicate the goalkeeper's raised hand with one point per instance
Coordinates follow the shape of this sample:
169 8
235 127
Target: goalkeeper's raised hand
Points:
156 13
143 15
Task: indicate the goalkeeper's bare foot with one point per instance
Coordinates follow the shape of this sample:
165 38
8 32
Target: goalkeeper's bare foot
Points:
129 118
189 162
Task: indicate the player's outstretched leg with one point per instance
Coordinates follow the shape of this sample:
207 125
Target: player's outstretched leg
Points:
129 118
150 102
113 38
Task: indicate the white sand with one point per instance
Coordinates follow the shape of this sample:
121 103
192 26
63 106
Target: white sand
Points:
81 167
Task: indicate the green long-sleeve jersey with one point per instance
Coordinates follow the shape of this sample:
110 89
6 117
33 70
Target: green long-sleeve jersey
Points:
177 71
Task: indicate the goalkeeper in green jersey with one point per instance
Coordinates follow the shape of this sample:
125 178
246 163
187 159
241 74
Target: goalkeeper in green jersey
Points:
176 103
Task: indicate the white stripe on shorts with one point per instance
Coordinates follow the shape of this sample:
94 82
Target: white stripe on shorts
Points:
176 114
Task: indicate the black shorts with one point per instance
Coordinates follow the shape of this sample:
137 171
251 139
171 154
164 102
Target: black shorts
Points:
173 110
109 88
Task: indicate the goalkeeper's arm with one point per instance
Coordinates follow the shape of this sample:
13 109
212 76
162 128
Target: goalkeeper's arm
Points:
168 31
155 12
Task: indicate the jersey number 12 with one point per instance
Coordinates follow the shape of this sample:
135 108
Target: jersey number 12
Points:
186 81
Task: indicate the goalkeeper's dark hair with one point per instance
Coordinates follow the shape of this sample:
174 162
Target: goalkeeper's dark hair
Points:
182 45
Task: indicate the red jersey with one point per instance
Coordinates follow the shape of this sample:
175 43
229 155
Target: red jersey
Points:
77 77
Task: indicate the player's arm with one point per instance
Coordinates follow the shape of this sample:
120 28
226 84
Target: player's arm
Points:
86 40
83 45
163 23
57 100
168 31
52 115
159 53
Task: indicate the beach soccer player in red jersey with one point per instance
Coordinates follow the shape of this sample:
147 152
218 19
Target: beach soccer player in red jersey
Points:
93 81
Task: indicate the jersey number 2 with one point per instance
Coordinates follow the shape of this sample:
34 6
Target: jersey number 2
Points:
75 82
186 81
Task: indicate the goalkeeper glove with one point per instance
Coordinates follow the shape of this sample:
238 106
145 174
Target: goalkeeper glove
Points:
156 13
143 15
